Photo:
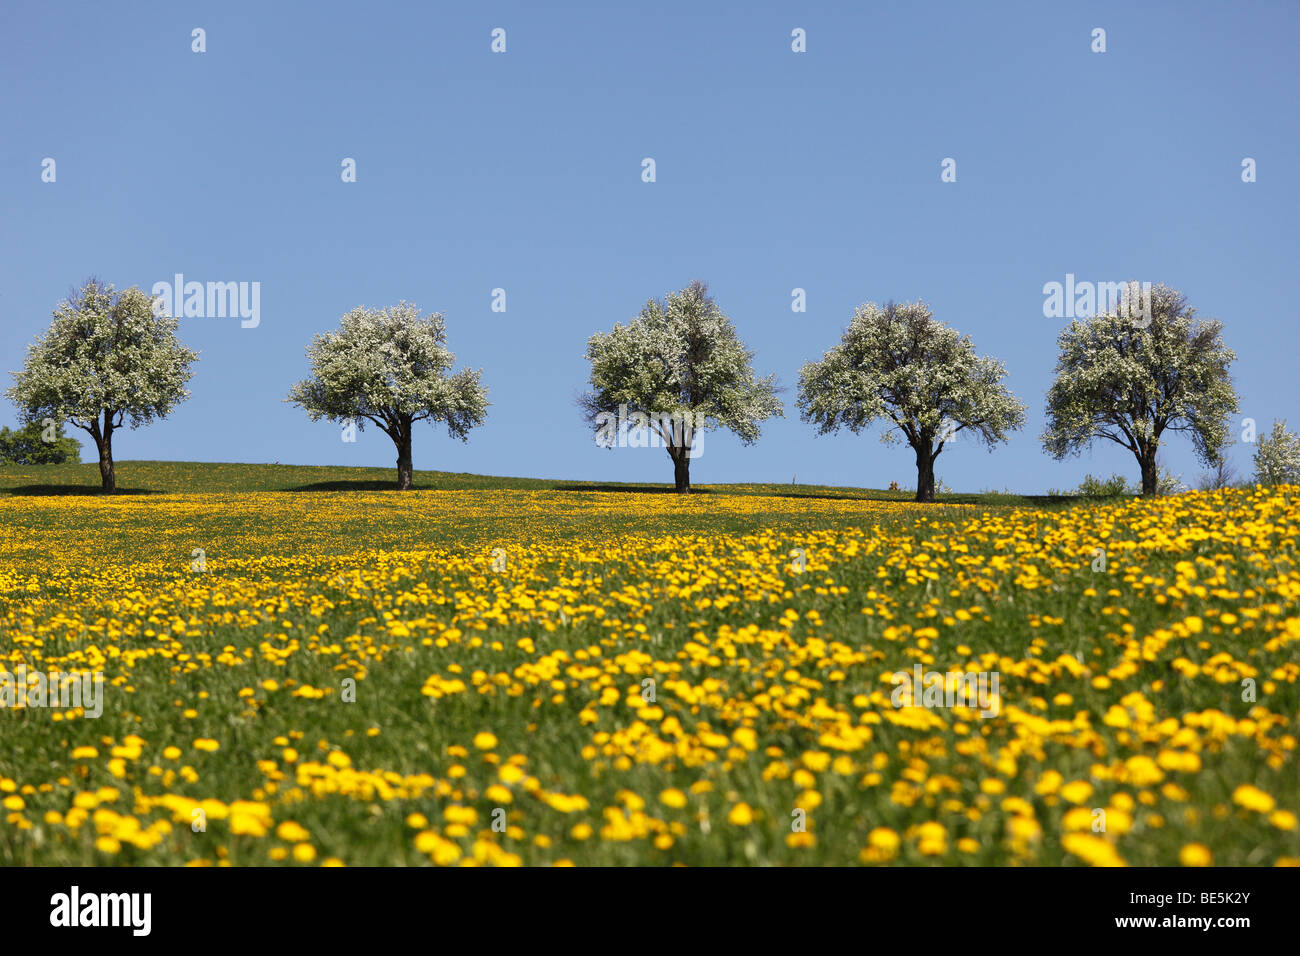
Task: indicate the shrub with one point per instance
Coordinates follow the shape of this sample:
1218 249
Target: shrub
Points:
1111 487
1169 484
27 445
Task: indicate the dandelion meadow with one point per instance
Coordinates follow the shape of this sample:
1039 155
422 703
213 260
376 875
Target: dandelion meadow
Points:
484 674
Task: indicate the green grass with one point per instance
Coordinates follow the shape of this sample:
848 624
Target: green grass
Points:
170 477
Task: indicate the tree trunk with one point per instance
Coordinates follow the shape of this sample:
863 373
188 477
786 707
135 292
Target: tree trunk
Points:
682 470
107 477
924 475
1150 471
404 457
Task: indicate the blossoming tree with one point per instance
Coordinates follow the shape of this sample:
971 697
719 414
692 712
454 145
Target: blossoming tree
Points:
1130 381
681 367
391 367
901 365
106 360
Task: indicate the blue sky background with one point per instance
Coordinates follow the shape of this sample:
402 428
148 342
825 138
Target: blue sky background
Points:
818 170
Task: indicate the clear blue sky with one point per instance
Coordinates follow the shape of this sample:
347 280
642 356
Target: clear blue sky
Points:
522 170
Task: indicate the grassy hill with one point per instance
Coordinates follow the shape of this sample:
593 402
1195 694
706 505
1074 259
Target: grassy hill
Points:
171 477
372 677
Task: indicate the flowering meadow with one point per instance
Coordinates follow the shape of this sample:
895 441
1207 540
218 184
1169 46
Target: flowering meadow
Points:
544 677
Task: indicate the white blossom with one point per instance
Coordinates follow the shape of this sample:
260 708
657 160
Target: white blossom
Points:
1277 457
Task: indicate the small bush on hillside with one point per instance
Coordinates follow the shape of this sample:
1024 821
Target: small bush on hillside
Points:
1168 483
1112 487
27 446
